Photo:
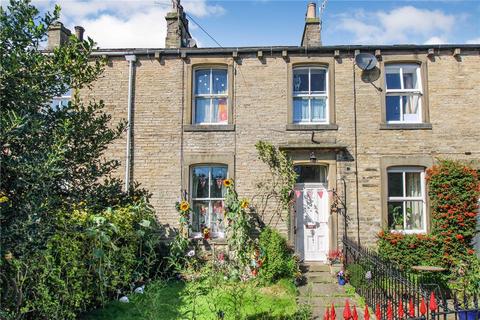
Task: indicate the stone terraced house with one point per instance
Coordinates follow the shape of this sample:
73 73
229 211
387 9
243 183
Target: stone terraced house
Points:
362 137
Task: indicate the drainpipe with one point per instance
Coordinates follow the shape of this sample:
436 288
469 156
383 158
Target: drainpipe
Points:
131 63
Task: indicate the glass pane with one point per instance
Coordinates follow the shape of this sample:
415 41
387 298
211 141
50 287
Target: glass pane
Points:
393 78
217 219
200 182
311 173
410 78
318 79
395 215
220 111
413 184
319 109
414 215
395 184
393 108
202 110
202 81
300 110
217 190
219 81
300 80
411 108
199 216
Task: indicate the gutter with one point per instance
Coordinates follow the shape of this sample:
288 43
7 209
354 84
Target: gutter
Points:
131 63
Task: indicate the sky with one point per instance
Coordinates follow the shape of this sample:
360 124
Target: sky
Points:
141 24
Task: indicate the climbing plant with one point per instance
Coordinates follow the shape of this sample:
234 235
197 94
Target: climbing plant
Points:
275 191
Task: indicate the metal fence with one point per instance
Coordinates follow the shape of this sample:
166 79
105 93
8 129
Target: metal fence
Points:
396 294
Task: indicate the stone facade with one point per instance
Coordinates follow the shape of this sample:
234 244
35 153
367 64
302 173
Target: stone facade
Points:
357 145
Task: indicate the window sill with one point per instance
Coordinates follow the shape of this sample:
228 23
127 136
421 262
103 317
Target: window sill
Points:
208 128
220 241
310 127
405 126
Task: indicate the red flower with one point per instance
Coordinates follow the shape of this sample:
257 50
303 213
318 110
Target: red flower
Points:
471 251
459 236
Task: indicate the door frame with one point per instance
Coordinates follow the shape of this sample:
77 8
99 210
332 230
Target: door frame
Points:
328 159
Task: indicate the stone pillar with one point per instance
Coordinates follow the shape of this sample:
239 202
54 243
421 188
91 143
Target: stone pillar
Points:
79 30
57 35
312 31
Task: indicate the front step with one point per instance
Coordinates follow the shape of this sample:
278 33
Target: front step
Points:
315 267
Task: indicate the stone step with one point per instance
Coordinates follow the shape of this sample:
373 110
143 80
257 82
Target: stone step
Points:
318 302
321 289
312 267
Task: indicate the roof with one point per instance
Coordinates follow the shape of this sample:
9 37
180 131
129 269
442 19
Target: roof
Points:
290 49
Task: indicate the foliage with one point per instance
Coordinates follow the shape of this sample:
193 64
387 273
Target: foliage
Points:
92 257
454 190
356 275
274 192
279 261
205 299
466 275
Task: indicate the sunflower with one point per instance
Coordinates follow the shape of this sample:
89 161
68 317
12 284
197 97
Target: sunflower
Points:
227 182
184 205
244 204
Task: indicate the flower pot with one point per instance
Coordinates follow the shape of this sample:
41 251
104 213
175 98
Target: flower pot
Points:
468 315
343 281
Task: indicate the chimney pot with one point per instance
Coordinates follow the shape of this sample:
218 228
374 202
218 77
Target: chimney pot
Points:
79 30
311 10
57 35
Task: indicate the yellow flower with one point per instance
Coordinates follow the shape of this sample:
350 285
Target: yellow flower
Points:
244 204
184 205
3 198
227 182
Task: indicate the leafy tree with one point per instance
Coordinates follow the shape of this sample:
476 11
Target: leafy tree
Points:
51 158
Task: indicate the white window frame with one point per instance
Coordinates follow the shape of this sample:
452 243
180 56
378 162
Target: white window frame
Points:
310 95
405 92
209 96
57 102
404 198
209 199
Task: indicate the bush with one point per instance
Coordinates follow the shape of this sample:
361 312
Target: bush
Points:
91 258
279 261
356 275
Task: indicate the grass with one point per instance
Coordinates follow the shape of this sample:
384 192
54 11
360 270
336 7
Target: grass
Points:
201 300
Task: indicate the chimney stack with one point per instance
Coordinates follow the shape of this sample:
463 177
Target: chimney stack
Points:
57 35
79 30
311 33
178 35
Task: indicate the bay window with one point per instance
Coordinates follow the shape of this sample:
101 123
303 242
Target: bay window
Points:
310 95
406 199
210 104
403 96
207 195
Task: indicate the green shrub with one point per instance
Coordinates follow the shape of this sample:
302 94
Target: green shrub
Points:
91 258
279 261
356 275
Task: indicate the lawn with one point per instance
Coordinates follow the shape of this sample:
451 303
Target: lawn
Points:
201 300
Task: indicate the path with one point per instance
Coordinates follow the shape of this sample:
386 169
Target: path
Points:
322 290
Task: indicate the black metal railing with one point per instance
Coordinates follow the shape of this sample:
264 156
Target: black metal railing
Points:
391 291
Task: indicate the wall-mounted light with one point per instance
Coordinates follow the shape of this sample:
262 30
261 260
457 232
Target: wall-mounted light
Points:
313 158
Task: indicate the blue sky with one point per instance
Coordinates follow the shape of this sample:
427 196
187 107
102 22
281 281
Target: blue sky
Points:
140 23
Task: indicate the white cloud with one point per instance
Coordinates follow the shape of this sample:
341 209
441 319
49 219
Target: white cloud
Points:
474 41
401 25
436 40
126 23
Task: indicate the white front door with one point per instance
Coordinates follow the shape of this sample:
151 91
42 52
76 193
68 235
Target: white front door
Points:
312 213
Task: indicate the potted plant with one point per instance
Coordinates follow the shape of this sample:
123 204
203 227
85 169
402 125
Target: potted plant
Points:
341 277
335 259
466 285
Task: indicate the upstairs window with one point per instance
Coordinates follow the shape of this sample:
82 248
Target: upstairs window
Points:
403 93
208 194
61 101
406 199
210 96
310 95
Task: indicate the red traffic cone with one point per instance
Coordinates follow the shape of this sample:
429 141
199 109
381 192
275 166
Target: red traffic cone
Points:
366 313
401 312
354 313
327 314
433 303
378 312
347 314
411 308
333 315
423 307
389 310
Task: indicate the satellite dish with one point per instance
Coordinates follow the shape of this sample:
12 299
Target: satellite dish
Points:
365 61
371 75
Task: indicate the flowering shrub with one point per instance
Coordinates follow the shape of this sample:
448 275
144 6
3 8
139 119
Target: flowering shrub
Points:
454 190
335 256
